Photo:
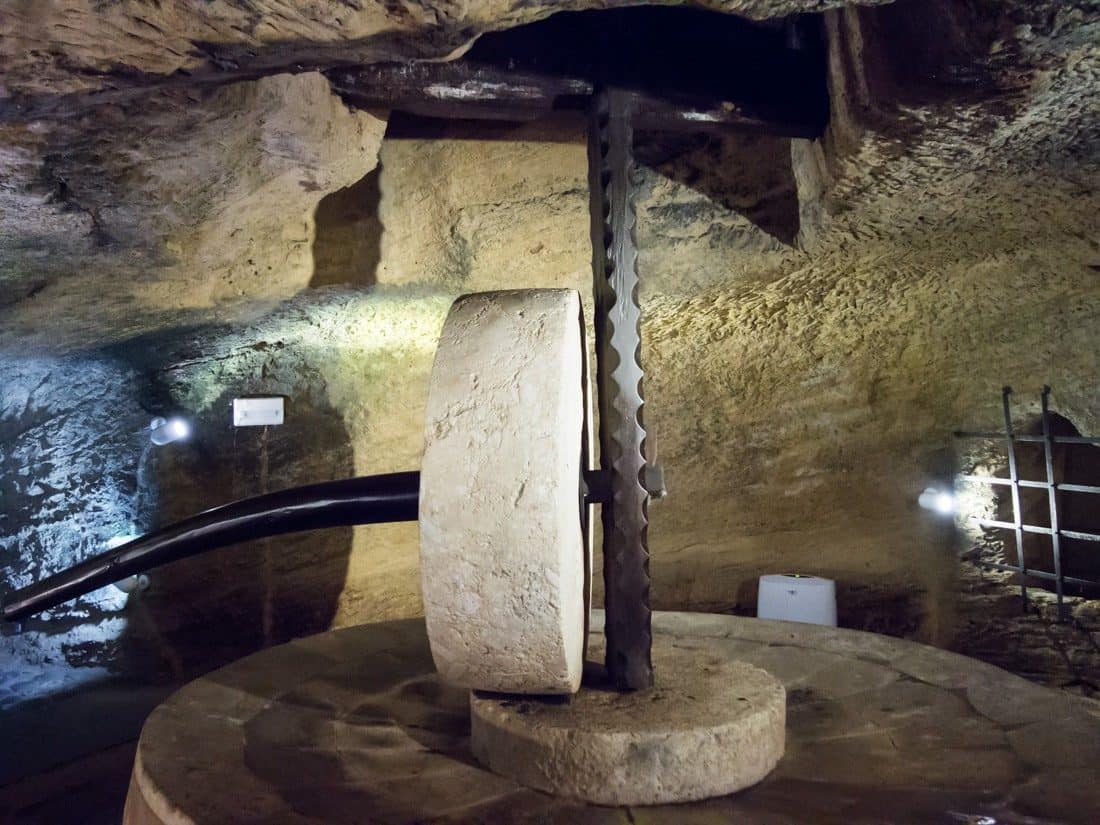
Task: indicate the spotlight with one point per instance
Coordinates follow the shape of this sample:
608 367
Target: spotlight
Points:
938 501
166 430
132 583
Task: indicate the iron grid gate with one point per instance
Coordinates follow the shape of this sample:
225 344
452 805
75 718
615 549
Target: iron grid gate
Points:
1053 487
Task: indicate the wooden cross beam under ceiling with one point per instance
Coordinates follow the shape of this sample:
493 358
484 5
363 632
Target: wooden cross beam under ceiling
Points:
471 91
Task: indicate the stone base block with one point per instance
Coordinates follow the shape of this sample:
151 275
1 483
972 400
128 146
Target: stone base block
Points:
710 726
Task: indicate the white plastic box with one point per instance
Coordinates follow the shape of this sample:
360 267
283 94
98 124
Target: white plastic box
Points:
794 597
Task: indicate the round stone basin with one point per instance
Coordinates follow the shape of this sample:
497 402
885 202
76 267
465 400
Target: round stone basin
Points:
354 726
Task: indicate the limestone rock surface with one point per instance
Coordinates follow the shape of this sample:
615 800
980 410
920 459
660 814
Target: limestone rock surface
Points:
818 316
190 197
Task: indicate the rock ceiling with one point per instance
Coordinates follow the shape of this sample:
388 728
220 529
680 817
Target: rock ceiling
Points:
84 45
166 158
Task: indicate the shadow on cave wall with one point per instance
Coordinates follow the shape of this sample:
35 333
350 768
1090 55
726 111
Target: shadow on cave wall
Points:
347 244
205 611
748 174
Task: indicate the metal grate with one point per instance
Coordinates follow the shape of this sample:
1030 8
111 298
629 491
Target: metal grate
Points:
1055 531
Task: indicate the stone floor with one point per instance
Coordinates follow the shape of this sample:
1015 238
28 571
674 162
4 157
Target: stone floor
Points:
879 730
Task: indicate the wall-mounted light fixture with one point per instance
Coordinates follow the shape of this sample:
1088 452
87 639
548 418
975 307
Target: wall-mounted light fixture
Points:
166 430
130 583
938 501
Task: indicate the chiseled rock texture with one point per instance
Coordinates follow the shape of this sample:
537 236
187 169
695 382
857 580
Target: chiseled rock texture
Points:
78 469
191 197
502 556
182 221
946 247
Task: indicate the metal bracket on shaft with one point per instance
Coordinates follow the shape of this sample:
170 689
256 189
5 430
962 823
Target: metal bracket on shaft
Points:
619 381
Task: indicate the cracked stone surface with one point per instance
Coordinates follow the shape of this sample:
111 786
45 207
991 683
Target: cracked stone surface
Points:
356 720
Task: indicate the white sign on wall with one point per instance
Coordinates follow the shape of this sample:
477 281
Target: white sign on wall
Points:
257 412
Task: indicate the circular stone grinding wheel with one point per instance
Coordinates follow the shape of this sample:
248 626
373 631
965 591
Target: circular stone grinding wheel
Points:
503 555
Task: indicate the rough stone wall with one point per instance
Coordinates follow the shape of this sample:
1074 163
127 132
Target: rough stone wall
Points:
208 196
192 199
818 318
70 453
78 469
946 247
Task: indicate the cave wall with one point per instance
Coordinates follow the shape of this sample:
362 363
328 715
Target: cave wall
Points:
79 469
192 199
946 247
351 355
70 452
817 318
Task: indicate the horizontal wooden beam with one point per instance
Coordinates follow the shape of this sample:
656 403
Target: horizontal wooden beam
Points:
659 114
458 89
465 90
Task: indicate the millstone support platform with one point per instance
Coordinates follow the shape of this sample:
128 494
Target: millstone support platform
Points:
710 726
356 726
